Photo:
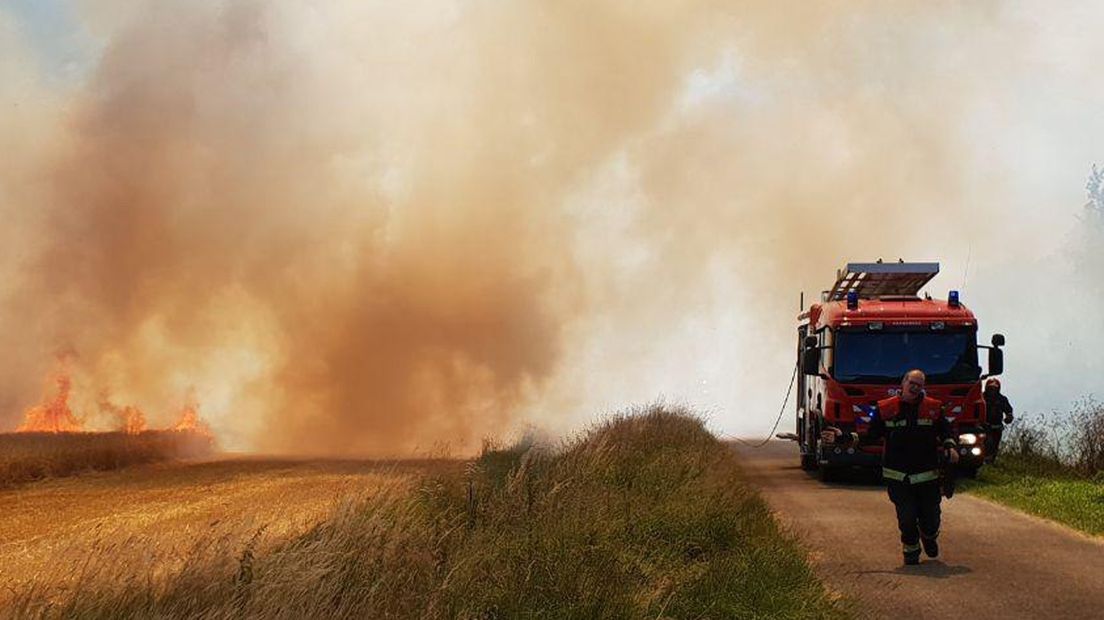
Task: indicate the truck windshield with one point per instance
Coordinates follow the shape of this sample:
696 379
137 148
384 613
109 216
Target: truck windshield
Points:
883 357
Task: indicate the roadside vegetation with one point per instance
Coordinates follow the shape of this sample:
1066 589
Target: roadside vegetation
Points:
1052 466
26 457
644 516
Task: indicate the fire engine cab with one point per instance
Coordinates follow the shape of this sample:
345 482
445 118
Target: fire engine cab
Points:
855 345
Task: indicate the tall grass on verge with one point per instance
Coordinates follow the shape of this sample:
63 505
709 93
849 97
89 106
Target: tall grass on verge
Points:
1072 442
25 457
1052 466
644 516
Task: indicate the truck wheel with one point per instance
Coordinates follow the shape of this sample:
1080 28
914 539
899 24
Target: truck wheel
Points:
809 458
970 472
829 473
808 462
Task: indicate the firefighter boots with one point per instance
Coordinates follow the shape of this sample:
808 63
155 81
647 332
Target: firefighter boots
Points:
931 546
912 554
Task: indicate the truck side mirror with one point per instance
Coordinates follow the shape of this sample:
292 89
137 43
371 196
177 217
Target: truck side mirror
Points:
998 340
996 360
810 361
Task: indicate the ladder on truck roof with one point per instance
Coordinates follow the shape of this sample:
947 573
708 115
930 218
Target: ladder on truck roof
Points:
880 279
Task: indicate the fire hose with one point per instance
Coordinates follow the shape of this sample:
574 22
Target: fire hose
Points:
781 411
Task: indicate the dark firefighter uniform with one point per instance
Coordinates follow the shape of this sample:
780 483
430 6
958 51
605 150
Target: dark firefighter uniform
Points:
915 434
998 412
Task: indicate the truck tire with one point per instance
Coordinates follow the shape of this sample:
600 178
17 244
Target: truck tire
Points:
809 461
809 458
829 473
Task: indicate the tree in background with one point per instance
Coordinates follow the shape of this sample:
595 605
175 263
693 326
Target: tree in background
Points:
1095 206
1091 253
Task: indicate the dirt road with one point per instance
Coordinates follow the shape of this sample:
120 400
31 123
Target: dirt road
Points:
996 562
155 515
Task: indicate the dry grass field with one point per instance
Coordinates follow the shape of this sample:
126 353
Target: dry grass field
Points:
62 536
26 457
644 516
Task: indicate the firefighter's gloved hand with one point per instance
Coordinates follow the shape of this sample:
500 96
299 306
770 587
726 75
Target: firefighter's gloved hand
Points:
1008 418
952 455
830 434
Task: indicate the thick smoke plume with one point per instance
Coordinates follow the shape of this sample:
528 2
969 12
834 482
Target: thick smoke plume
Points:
362 229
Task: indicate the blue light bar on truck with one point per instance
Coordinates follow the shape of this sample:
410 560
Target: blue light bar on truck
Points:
952 299
852 300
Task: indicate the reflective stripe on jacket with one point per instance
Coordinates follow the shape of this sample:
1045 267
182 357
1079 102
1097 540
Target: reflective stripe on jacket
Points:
917 478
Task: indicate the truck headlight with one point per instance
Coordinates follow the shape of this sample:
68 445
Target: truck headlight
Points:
967 439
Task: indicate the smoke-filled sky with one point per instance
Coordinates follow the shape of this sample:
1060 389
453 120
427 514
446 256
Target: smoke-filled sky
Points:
359 227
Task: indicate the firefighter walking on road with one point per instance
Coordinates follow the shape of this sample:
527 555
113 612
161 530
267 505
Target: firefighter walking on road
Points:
915 433
998 412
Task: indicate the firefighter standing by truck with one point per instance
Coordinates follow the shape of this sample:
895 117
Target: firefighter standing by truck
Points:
998 412
915 432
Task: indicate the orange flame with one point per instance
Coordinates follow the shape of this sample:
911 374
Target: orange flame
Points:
132 420
189 418
53 415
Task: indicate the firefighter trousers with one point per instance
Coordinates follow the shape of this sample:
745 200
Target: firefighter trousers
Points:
917 511
992 442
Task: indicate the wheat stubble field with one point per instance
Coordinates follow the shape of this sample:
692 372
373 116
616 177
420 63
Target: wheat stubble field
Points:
55 534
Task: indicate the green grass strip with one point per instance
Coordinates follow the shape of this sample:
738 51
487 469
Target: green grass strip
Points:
1044 490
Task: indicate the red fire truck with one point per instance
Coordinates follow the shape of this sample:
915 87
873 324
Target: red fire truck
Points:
854 346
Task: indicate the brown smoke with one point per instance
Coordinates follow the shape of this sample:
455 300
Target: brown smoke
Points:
370 230
355 223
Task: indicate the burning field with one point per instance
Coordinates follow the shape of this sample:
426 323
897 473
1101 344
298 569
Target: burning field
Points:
378 230
53 441
363 229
